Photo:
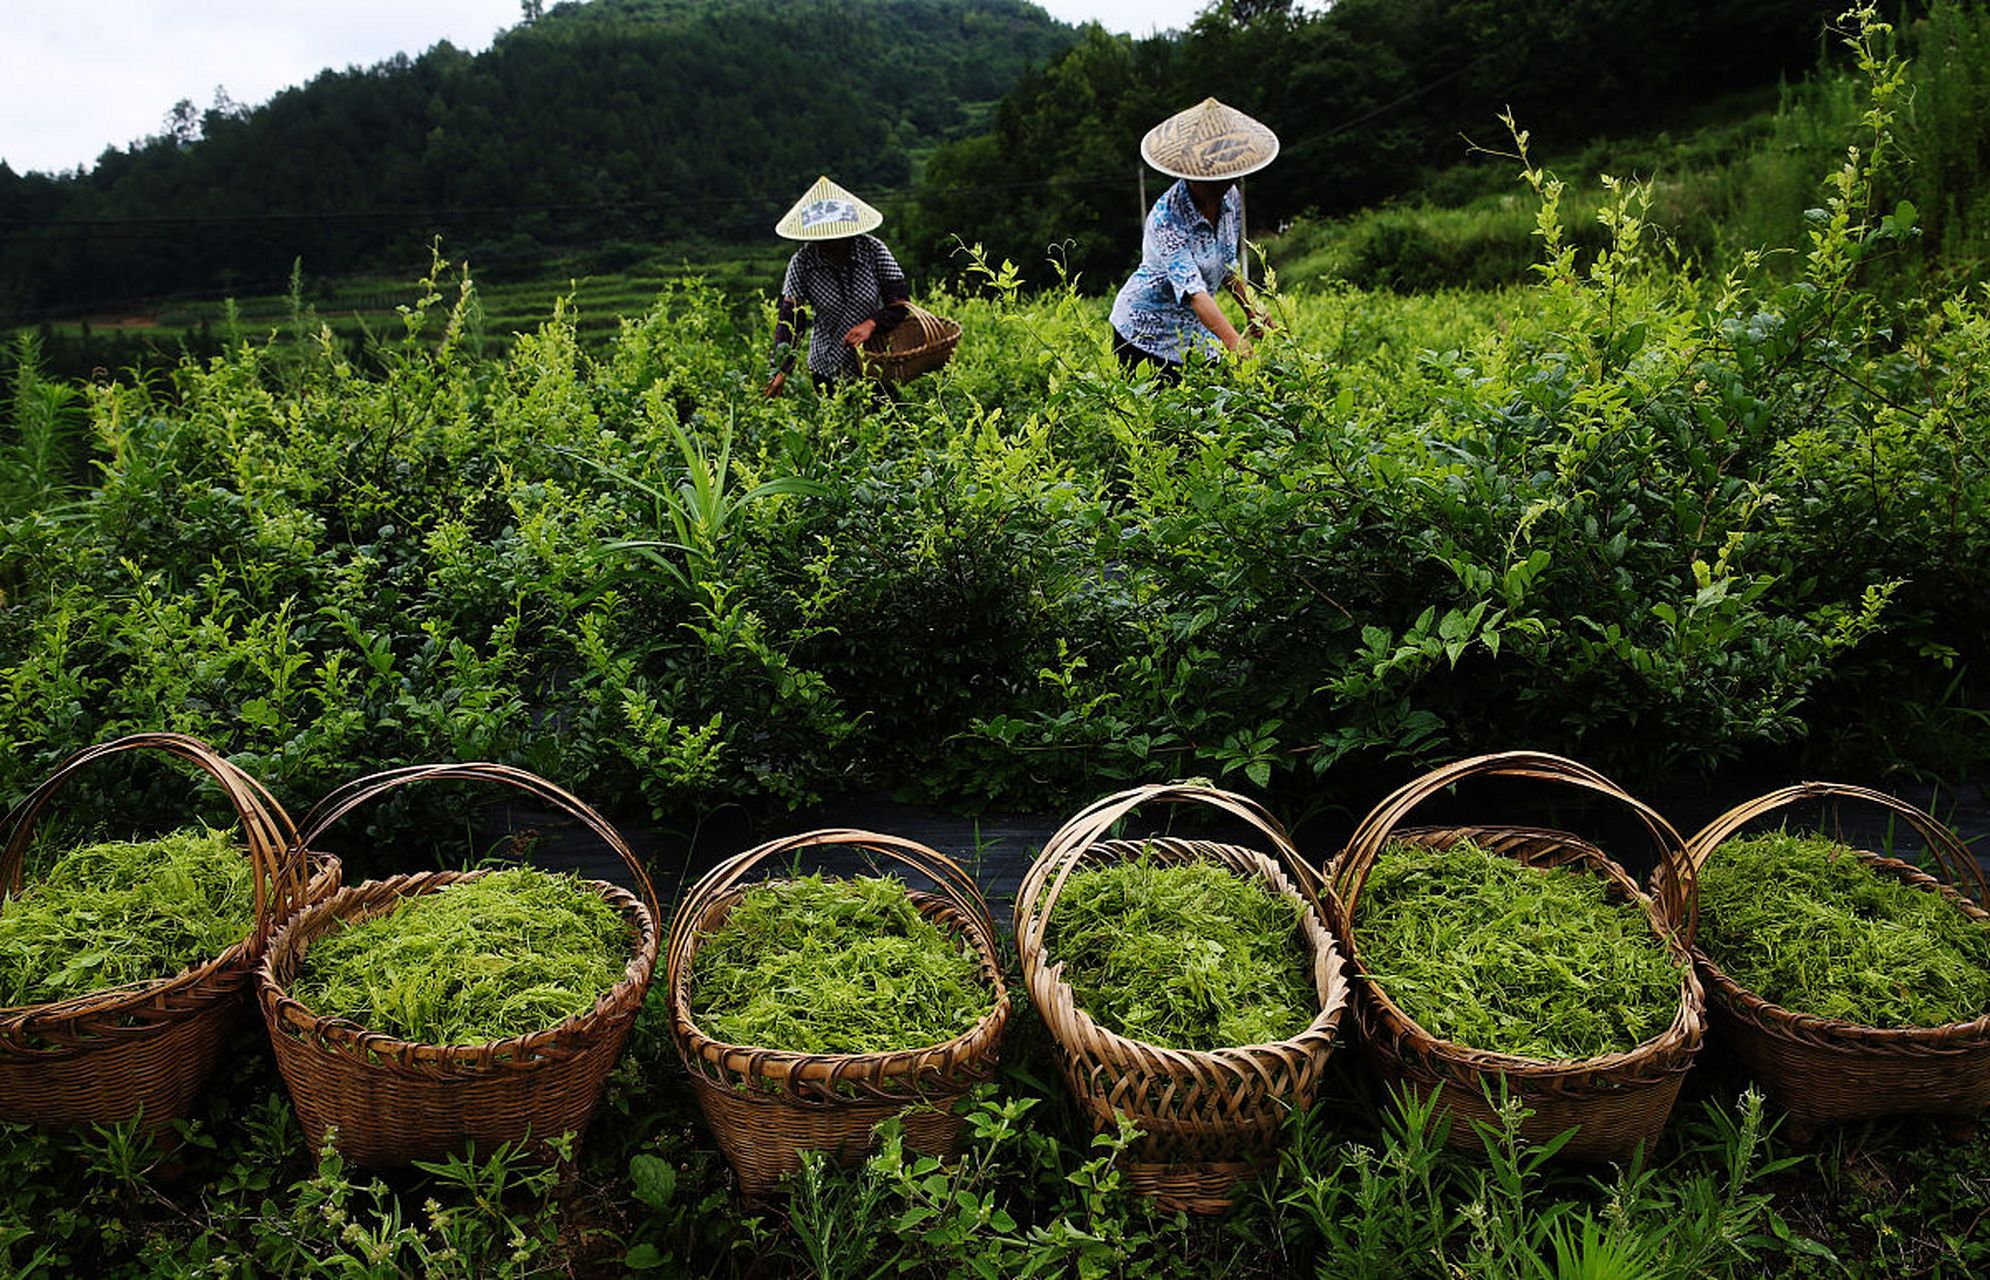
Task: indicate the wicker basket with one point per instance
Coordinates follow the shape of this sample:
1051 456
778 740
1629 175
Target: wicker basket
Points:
1615 1102
767 1106
1208 1119
143 1049
920 343
393 1101
1824 1070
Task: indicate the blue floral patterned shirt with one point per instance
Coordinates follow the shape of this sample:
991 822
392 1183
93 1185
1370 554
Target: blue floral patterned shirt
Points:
1181 255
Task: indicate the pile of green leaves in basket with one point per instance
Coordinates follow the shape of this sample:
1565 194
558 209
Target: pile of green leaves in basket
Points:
816 964
1804 923
1188 955
1538 962
504 954
124 911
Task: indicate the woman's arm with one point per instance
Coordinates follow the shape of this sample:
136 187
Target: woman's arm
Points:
1206 310
1255 322
790 324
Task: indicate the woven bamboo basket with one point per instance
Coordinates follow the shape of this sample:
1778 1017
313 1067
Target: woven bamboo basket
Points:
143 1050
766 1106
920 343
393 1101
1615 1102
1209 1120
1824 1070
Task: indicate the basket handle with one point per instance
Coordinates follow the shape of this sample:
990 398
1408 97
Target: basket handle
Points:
953 882
278 878
359 791
1954 858
1065 851
1349 871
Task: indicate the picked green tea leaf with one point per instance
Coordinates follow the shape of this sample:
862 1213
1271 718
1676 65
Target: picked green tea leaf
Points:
505 954
826 965
1187 955
1802 922
1532 961
125 911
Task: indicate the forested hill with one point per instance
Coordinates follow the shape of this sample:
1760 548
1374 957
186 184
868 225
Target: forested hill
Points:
1371 99
600 121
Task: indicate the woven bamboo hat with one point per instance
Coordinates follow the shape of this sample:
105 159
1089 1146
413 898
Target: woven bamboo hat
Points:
827 212
1209 142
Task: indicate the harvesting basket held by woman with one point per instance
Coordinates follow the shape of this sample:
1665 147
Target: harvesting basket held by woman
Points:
1615 1101
144 1049
1167 310
1825 1070
843 289
1209 1119
767 1105
393 1101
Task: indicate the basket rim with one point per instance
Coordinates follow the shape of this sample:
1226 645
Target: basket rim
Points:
820 1078
264 837
1041 969
288 1015
1780 1019
240 957
1684 1033
891 1064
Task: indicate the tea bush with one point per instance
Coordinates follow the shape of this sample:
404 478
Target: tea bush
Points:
1650 518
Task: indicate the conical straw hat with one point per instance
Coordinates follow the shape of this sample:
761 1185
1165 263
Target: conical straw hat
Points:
1209 141
827 212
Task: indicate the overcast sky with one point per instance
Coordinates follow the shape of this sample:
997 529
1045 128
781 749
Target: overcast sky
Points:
77 76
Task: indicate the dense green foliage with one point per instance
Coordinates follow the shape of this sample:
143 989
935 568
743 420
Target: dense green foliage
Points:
1636 515
504 954
609 125
826 965
1539 962
1805 924
1368 1190
1187 955
1369 98
1742 179
103 915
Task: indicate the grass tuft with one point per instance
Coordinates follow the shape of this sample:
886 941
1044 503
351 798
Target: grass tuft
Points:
125 911
1802 922
506 954
1187 955
827 965
1535 962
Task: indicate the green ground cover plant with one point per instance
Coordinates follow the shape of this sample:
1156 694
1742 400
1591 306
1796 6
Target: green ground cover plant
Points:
1189 955
1802 922
823 964
505 954
1533 961
124 911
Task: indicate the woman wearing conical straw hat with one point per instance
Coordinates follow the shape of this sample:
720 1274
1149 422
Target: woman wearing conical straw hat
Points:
842 278
1189 250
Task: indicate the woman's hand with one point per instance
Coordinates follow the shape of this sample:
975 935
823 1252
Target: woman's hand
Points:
775 384
860 333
